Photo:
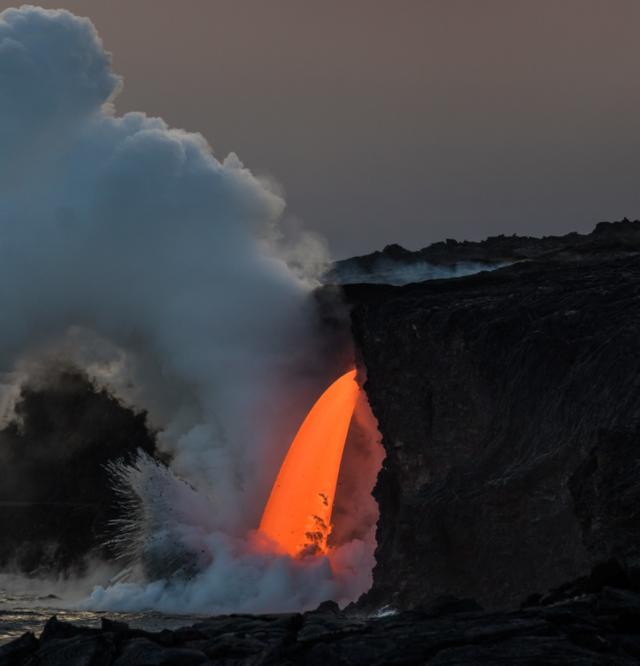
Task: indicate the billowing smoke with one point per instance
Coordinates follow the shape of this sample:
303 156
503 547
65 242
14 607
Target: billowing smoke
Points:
128 247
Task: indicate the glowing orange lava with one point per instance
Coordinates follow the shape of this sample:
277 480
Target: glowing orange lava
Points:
297 516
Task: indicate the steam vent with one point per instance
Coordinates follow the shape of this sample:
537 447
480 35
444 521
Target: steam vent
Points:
244 419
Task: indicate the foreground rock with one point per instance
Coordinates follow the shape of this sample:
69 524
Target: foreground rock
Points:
509 408
586 622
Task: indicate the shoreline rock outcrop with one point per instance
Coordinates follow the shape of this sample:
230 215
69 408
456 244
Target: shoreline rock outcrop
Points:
592 621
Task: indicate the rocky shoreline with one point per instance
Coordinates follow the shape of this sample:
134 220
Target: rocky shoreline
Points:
593 620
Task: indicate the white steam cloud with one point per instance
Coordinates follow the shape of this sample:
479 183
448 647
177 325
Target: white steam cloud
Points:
129 247
398 273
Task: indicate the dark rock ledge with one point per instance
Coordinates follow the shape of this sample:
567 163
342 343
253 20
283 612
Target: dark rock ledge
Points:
593 620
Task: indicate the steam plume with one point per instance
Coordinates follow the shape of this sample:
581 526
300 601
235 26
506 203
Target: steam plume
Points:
129 247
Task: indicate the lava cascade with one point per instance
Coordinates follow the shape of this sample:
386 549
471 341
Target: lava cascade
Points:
297 516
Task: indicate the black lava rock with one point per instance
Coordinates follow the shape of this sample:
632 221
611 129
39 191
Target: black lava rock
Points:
596 628
509 408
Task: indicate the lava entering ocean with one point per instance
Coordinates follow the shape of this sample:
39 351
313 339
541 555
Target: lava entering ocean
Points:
297 516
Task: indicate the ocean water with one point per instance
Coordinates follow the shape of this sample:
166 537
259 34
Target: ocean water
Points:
26 611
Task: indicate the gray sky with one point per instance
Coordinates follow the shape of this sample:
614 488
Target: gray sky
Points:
402 121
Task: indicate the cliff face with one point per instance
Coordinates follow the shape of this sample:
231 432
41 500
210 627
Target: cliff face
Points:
509 405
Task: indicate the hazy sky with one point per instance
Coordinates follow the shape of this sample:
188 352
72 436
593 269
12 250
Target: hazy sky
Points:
402 121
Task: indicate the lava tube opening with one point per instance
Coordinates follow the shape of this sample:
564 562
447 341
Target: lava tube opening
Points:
297 516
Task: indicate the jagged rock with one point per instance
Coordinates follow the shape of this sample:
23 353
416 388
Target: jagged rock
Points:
19 650
122 633
55 630
81 650
328 607
596 627
114 626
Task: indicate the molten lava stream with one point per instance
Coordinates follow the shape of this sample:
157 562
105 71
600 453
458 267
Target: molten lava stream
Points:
297 516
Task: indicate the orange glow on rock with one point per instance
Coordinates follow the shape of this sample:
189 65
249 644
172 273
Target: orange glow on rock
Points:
297 516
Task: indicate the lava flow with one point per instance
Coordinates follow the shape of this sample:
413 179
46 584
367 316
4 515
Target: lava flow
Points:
297 516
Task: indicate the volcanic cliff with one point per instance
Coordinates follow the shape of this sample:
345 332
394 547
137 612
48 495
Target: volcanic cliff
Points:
509 408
